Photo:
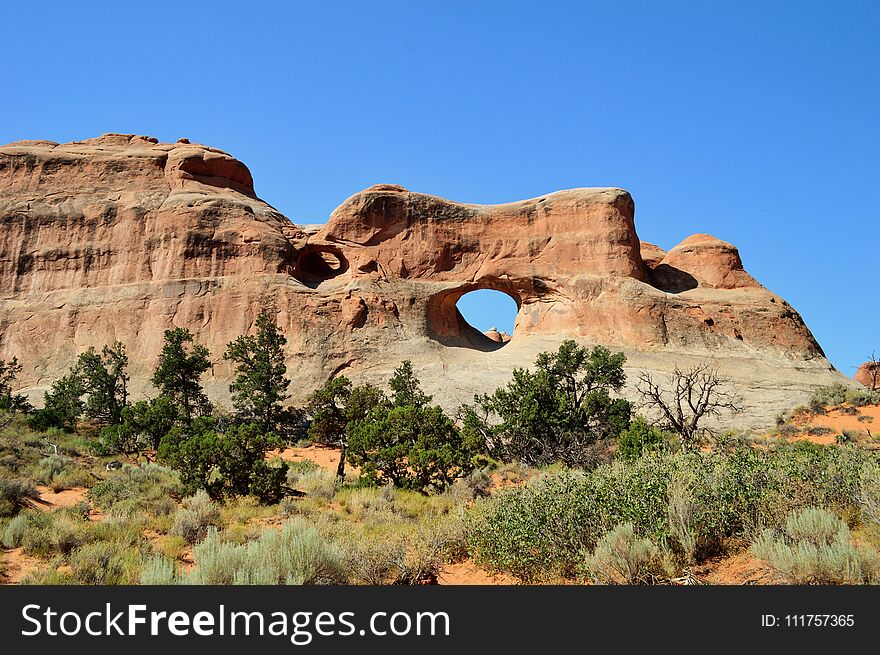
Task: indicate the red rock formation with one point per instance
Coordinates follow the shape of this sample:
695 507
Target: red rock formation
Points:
120 237
868 375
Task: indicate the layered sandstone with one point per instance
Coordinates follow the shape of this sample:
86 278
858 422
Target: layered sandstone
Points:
120 237
868 375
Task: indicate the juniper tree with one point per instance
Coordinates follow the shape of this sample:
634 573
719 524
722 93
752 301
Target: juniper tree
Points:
181 364
106 382
9 401
335 407
62 405
558 412
261 383
406 390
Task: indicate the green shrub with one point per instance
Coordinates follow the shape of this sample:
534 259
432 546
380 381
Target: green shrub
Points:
296 554
158 570
561 412
690 501
869 492
317 484
15 495
861 397
13 533
848 436
815 547
104 563
640 437
787 430
412 447
621 557
146 489
830 396
225 463
48 467
198 514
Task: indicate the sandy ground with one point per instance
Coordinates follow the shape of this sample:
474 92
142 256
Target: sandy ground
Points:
324 456
16 565
49 500
468 573
741 569
868 428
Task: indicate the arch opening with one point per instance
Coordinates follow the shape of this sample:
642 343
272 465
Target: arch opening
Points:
477 316
490 312
317 264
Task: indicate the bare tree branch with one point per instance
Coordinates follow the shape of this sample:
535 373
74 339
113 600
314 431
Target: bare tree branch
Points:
692 395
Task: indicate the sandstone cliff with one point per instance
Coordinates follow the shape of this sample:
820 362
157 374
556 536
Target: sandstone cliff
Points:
120 237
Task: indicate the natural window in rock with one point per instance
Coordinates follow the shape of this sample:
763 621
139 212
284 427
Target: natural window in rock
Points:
315 266
490 312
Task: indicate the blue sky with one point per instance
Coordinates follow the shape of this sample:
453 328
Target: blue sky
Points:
754 121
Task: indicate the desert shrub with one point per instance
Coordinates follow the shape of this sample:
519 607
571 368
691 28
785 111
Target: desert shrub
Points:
299 467
869 492
815 547
49 467
60 472
680 513
848 436
225 462
73 476
148 488
142 426
475 484
830 396
15 495
374 561
413 447
402 552
316 483
563 411
861 397
104 563
66 533
32 533
198 514
171 546
158 570
13 533
691 502
622 557
49 575
296 554
787 430
640 437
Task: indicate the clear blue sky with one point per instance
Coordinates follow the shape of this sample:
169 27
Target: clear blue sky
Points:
754 121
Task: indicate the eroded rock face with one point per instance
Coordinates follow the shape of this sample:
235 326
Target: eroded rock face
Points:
121 237
868 375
